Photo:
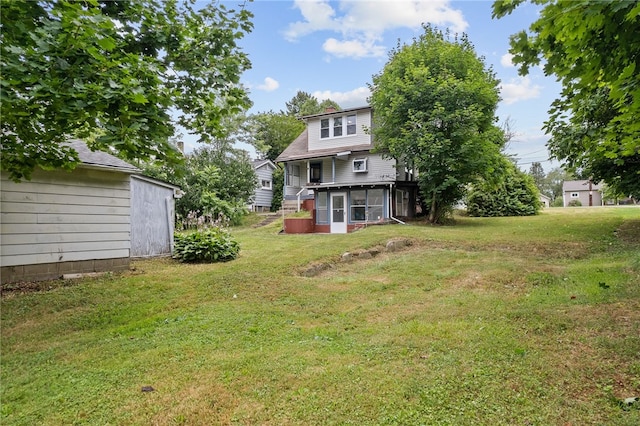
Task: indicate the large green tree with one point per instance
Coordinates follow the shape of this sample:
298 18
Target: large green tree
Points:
215 181
273 132
304 103
435 103
119 74
592 47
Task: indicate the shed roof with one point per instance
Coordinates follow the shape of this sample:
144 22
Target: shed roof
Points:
100 159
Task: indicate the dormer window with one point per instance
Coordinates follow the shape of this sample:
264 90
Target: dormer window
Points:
338 126
324 128
360 165
351 124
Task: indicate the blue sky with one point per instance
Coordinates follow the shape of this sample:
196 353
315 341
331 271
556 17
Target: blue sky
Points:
331 49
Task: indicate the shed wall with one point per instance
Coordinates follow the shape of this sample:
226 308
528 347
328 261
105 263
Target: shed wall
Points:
152 219
60 217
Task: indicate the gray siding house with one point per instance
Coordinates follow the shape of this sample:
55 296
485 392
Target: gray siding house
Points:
586 192
263 195
332 163
76 222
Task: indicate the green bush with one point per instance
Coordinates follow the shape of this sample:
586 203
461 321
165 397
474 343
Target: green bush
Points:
558 202
574 203
206 246
514 195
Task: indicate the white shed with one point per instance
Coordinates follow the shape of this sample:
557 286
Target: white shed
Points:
72 222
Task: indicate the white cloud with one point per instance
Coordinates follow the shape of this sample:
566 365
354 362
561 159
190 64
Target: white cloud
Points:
354 98
361 24
507 60
269 85
519 89
355 49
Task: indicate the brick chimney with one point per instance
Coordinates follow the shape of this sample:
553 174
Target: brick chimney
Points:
330 109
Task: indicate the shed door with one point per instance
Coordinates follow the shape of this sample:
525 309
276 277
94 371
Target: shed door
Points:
152 212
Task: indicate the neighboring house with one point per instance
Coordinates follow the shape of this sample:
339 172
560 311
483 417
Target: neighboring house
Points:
331 163
92 219
261 200
544 200
585 192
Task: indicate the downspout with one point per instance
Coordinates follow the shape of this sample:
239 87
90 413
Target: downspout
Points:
391 203
333 169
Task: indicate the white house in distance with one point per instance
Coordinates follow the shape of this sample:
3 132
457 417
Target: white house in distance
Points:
332 164
586 192
92 219
263 195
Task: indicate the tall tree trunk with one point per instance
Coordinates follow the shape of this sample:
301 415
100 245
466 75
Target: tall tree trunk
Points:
432 210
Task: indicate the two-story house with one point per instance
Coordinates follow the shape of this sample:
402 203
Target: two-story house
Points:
332 163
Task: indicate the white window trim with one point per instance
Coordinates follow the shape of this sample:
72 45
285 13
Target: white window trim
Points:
575 195
358 160
344 126
268 183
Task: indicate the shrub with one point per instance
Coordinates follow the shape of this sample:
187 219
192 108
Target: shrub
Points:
574 203
558 202
206 246
514 195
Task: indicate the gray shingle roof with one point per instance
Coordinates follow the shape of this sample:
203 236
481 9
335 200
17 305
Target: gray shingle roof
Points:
579 185
100 159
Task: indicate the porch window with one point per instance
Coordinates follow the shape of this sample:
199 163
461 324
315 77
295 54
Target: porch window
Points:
293 177
375 204
351 124
324 128
402 202
322 208
366 205
358 206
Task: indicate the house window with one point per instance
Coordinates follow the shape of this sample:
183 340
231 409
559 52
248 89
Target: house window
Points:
351 124
266 184
575 195
358 206
375 204
322 208
360 165
402 202
324 128
293 177
366 205
315 172
337 126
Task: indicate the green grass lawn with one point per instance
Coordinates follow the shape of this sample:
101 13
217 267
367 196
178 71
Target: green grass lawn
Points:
501 321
